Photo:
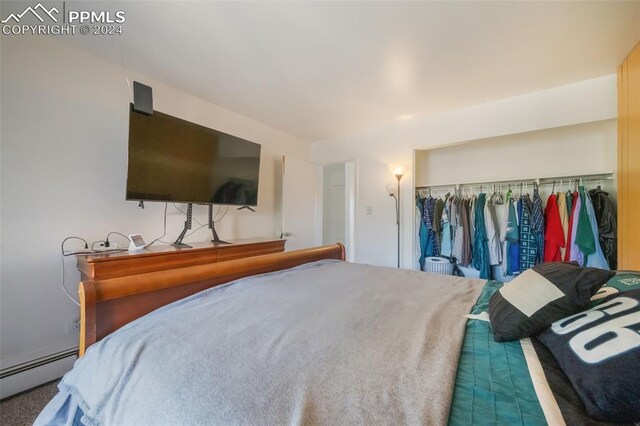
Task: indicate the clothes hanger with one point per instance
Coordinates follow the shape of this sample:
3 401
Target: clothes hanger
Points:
500 197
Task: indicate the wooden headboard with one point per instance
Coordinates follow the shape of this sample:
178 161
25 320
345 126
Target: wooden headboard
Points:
107 305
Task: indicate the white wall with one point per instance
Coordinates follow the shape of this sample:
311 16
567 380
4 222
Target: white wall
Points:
564 151
64 156
375 214
583 102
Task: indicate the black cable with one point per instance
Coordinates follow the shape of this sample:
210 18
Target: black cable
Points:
195 230
216 213
165 227
223 215
93 250
106 240
214 221
72 253
183 212
86 244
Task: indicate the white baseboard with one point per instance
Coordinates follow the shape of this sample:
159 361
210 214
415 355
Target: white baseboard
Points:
36 376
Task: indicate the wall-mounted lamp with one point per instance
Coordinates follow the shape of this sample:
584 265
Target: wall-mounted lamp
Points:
398 172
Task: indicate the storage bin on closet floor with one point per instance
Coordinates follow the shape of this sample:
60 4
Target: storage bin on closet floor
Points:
438 265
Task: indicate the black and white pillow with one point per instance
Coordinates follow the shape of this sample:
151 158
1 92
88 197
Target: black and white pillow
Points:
621 282
540 296
599 351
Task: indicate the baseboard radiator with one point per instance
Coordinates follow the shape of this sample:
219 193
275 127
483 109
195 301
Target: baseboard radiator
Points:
27 375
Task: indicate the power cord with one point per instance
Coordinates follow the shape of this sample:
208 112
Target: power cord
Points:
106 240
195 230
87 250
214 220
165 227
104 244
184 213
75 302
86 244
223 215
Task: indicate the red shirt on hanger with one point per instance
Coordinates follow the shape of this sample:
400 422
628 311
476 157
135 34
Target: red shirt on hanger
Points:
553 235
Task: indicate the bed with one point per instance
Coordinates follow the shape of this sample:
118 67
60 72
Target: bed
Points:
302 337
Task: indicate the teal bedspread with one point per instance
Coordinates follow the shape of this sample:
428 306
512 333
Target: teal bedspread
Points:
493 385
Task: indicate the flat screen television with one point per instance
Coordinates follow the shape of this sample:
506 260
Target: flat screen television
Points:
174 160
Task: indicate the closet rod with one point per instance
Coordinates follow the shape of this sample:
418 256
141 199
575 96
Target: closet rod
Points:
530 181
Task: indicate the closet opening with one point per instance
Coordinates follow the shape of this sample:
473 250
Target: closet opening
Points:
513 198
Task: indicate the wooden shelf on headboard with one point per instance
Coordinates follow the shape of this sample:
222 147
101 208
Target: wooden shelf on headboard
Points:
95 267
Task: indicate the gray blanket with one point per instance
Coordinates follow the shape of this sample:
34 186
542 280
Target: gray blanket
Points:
329 343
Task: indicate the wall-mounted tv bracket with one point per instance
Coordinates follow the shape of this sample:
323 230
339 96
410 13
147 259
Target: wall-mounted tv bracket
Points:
142 98
187 226
212 226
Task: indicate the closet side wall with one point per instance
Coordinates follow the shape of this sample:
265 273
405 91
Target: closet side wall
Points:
629 161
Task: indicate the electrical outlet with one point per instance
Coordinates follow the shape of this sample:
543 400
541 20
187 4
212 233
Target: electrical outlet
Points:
74 325
112 246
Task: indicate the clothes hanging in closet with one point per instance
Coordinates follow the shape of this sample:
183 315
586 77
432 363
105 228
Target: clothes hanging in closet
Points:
573 226
513 240
575 253
465 216
445 229
493 234
571 204
537 222
437 218
570 198
564 221
480 246
595 259
553 234
428 216
456 226
528 244
607 224
584 237
420 255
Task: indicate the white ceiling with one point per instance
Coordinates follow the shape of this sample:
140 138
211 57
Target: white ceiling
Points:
318 70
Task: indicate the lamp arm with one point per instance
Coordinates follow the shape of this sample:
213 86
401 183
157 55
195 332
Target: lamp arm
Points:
398 176
397 208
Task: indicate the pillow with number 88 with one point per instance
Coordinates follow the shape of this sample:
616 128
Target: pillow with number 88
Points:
599 351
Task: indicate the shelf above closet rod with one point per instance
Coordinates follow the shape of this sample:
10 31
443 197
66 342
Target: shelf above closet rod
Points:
529 181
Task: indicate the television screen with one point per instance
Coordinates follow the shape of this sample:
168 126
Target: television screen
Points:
177 161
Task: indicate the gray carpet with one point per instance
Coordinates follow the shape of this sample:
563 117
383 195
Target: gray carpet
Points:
22 409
